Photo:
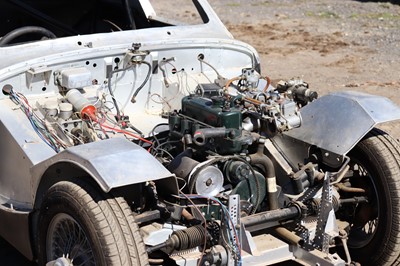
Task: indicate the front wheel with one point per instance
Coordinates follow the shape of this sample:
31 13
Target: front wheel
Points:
79 224
375 226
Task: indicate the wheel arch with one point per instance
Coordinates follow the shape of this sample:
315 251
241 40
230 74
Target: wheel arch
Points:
62 171
335 123
68 171
101 168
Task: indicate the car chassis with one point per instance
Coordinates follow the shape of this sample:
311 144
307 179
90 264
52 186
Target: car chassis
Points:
164 145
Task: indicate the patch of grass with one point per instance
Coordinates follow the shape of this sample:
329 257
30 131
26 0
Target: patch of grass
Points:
310 14
387 16
263 3
322 14
382 16
354 16
328 14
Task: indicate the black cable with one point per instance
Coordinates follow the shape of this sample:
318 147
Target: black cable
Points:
140 143
14 34
257 182
153 133
168 142
137 130
133 99
164 151
110 89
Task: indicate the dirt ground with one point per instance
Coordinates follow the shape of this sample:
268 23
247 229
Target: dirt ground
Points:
333 45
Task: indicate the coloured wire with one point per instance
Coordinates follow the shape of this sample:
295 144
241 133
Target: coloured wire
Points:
113 128
233 237
127 133
52 140
236 235
205 226
36 122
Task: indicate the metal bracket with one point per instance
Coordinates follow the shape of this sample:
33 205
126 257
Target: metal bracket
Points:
234 212
38 75
326 223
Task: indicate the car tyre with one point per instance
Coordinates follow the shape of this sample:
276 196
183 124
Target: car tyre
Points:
87 228
375 233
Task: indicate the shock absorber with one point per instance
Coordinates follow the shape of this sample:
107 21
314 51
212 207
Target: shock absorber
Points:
182 239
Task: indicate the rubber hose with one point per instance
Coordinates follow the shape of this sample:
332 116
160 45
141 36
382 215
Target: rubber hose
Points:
12 35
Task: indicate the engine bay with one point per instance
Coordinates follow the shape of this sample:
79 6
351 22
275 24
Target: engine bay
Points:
135 135
236 191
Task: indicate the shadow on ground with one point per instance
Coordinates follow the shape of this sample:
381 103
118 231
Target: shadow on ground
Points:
10 256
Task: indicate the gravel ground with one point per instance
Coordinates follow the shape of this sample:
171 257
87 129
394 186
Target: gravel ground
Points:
333 45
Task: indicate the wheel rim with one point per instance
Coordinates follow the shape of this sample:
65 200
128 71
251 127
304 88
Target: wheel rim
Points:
361 235
66 238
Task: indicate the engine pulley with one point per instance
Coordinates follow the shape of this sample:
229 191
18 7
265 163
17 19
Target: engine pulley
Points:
206 180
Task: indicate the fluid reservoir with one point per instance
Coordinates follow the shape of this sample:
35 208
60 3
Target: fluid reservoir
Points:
65 111
51 108
81 104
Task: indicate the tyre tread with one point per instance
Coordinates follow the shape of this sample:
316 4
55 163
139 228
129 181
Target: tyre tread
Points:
386 151
112 219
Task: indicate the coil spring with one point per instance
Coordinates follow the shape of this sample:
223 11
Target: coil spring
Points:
189 238
316 204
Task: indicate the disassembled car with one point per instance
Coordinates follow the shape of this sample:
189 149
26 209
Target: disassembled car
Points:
161 143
